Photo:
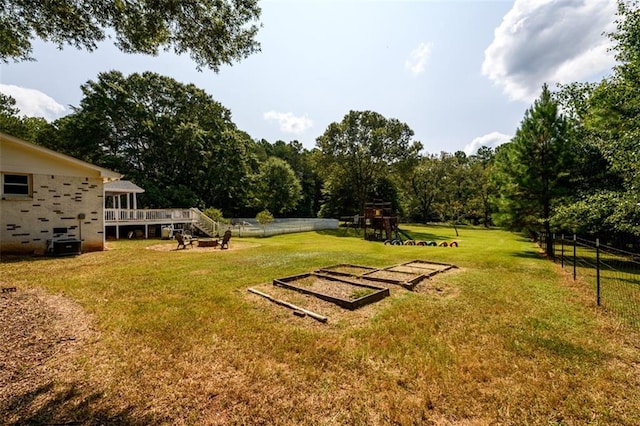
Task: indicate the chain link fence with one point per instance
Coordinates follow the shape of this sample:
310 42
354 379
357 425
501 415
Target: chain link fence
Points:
251 228
613 274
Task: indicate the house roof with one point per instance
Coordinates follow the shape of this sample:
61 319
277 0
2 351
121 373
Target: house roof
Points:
123 186
106 174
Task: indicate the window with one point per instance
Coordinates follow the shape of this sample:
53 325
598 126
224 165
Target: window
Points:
16 185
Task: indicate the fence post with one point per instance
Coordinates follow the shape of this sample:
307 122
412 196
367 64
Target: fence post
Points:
562 252
598 271
574 257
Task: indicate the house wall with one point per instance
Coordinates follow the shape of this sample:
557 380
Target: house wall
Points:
57 202
62 189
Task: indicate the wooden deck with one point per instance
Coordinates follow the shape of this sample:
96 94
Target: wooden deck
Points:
148 217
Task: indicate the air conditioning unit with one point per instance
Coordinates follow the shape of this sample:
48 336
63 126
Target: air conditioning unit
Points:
65 247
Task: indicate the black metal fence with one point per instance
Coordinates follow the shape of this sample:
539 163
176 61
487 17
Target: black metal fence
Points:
613 274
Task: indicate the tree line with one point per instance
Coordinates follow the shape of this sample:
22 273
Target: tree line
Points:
180 145
572 166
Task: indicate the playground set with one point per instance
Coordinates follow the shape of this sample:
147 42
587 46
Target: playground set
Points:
380 224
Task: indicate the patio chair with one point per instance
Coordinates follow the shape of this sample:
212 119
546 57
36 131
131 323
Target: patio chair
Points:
225 240
183 240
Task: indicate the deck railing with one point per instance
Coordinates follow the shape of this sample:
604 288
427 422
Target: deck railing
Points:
120 216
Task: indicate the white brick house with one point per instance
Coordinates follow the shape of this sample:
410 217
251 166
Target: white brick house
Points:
48 196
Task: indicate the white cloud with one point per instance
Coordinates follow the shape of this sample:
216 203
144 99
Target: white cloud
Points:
289 123
548 41
34 103
417 61
491 140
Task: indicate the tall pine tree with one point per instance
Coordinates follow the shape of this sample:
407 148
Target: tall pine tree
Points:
532 168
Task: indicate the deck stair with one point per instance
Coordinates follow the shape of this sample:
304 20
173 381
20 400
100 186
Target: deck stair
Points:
205 224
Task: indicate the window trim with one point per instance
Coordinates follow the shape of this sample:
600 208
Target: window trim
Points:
14 195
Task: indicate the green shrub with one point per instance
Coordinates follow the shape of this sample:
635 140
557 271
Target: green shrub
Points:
215 214
264 217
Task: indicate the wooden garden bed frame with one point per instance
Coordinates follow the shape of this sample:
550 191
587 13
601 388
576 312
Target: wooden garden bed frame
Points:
333 273
409 284
378 293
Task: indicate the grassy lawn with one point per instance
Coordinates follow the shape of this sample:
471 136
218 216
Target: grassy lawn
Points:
507 338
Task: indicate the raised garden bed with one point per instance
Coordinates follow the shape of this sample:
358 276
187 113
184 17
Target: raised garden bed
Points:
346 269
410 269
407 275
421 264
353 286
347 294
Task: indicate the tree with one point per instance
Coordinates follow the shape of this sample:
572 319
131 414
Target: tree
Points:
359 152
172 139
264 218
277 187
532 168
451 187
213 32
483 188
31 129
455 189
303 163
595 185
423 187
607 117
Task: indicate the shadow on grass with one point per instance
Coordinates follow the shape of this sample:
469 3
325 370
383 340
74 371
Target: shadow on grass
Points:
427 236
529 255
342 232
533 344
524 239
405 234
16 258
69 405
540 337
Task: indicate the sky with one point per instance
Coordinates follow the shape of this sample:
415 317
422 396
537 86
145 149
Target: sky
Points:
459 73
